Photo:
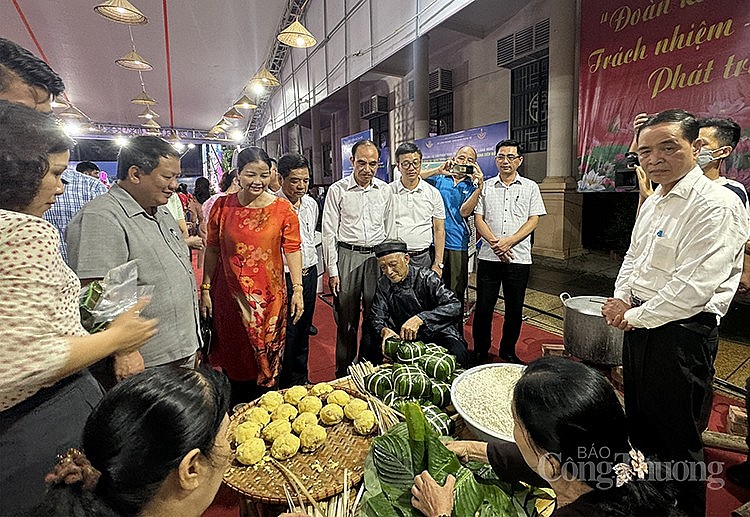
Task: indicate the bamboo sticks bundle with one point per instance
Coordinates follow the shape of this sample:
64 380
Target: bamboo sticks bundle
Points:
340 505
385 415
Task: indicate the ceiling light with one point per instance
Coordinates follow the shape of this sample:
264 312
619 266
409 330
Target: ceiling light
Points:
225 123
191 146
264 78
144 98
59 102
133 61
121 11
179 146
151 123
73 127
71 112
296 35
216 130
258 89
236 135
245 103
121 141
148 113
233 114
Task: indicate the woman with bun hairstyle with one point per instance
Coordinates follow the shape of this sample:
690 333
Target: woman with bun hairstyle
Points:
156 446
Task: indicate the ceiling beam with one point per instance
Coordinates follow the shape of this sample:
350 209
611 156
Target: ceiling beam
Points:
472 30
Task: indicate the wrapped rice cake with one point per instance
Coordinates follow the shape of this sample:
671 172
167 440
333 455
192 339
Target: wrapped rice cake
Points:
312 438
379 382
354 408
409 352
441 393
442 423
251 451
438 365
411 381
285 446
390 347
294 394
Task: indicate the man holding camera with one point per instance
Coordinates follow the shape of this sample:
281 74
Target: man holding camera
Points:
507 212
460 182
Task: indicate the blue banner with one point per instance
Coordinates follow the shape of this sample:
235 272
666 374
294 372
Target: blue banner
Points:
437 149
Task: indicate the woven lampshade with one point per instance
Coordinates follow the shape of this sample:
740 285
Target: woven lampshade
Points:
151 123
70 112
133 61
233 113
244 103
144 98
59 102
121 11
297 35
264 78
148 113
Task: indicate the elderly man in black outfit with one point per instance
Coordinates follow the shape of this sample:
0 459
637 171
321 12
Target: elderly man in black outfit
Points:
411 302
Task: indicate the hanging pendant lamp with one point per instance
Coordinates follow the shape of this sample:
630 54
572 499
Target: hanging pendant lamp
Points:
264 78
233 114
245 103
133 61
148 113
144 99
297 35
121 11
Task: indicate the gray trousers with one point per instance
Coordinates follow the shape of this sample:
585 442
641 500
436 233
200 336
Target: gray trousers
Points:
358 276
423 259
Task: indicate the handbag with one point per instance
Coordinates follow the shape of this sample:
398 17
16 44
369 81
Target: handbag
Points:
207 334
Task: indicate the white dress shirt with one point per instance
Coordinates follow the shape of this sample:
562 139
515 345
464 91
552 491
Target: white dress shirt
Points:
505 209
354 215
413 211
308 217
685 254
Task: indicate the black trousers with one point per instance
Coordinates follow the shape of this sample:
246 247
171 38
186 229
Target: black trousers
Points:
513 278
668 372
294 365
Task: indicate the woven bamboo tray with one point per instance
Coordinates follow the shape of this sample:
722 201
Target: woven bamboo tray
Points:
322 471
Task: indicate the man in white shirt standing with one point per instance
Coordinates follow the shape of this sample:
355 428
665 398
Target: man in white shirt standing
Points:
418 211
356 218
676 281
294 170
508 211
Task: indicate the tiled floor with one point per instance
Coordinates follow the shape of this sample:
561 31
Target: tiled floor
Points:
594 274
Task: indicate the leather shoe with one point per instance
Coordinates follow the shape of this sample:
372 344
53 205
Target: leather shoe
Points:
313 331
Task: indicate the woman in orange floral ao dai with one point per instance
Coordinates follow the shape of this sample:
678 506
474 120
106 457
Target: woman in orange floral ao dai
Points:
244 285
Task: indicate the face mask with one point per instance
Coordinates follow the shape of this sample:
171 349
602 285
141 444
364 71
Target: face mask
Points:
705 156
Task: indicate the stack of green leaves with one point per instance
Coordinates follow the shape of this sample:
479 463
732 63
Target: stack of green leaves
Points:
396 457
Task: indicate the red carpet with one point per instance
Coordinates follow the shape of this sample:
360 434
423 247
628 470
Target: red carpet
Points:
720 502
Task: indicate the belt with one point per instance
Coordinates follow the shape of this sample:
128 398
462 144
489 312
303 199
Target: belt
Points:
635 301
354 247
420 252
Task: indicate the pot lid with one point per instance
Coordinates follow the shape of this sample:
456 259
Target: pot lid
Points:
589 305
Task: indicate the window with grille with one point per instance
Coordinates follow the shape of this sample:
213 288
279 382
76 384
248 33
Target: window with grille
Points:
528 112
441 114
379 126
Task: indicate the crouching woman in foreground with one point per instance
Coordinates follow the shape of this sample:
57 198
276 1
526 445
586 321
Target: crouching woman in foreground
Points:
155 446
570 435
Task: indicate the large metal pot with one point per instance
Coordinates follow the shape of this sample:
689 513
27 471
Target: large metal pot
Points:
585 333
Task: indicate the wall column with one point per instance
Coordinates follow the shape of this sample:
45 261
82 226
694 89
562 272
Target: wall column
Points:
421 48
559 232
335 150
317 156
284 140
355 123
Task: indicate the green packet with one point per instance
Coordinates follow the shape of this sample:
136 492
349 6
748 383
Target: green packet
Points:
90 296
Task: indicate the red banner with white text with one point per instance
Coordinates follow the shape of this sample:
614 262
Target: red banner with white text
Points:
646 56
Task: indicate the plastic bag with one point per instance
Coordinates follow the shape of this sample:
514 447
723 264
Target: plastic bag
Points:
103 300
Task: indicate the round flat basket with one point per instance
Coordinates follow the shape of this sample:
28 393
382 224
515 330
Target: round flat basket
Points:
321 472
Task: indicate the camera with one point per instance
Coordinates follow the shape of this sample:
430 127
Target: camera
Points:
459 168
626 179
631 160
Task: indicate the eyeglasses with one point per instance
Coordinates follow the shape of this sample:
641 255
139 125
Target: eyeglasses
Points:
416 164
503 157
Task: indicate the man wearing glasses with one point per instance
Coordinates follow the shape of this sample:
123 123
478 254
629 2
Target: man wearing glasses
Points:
356 218
508 211
418 211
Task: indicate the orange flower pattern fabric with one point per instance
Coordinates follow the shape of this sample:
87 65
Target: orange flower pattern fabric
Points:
251 242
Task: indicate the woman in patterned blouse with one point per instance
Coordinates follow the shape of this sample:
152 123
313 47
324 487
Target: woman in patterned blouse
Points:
46 392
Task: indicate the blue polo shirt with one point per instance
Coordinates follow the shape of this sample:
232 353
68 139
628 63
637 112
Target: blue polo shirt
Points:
456 229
